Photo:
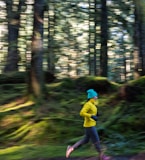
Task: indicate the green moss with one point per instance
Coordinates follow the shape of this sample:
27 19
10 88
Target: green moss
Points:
120 124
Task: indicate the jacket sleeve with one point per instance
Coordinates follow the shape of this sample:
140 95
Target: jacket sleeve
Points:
84 111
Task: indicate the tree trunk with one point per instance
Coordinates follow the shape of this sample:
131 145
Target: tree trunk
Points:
92 37
136 46
139 39
36 84
142 38
104 38
51 28
13 29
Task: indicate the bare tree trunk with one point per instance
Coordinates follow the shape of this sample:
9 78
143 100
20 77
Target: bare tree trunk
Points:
142 38
104 38
36 84
92 37
13 29
51 24
139 39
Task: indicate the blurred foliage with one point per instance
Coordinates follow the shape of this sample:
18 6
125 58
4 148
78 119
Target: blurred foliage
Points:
21 77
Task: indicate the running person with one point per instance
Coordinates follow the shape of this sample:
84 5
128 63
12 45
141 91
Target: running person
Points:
89 112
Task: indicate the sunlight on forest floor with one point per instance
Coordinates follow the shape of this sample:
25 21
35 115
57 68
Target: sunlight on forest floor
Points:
17 104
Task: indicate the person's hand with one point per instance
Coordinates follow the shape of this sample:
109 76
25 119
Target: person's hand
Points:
94 117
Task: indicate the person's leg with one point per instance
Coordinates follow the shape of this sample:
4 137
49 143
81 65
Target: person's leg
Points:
96 140
85 140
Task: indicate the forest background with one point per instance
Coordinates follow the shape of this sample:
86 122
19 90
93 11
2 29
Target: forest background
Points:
51 50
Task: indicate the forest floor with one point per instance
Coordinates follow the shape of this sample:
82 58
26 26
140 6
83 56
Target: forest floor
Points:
140 156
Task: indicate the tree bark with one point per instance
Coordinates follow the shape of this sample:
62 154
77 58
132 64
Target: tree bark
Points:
36 84
139 39
13 30
104 38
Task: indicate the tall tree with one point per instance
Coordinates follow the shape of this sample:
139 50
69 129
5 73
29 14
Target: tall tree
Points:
104 38
51 28
36 83
92 36
136 42
139 38
13 16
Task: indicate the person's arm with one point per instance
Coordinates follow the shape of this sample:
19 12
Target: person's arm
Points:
84 111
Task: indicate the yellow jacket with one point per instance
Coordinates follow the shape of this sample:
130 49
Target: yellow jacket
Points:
87 111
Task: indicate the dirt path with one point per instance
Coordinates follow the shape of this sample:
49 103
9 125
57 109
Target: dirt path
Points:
140 156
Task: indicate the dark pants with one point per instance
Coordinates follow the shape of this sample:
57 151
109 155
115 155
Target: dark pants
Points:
90 133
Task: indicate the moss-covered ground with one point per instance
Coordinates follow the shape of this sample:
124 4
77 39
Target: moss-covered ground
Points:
30 131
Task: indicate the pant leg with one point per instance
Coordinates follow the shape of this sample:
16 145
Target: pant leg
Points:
83 141
95 138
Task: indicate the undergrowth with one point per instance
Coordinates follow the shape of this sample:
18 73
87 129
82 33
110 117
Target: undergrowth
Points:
57 121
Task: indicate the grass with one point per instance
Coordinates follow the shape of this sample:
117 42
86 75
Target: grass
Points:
43 151
32 151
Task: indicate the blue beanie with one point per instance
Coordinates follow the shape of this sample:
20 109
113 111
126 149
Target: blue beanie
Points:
91 93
